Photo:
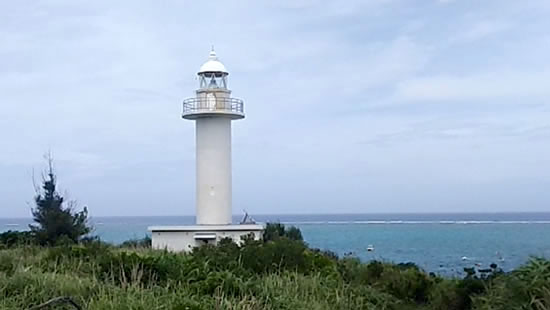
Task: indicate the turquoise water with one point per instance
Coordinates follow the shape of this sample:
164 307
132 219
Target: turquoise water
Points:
442 243
441 248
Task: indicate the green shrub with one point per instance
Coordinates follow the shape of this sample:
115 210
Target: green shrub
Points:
274 231
294 233
7 263
409 284
11 238
374 271
406 282
446 296
144 242
275 256
349 269
321 262
528 287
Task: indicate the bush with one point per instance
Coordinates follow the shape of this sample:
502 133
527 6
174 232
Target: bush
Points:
274 231
258 257
407 282
275 256
144 242
7 263
525 288
16 238
444 296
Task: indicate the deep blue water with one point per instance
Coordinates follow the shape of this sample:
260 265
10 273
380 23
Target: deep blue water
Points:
442 243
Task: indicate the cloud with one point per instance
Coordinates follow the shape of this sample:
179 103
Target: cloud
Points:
520 87
326 8
480 30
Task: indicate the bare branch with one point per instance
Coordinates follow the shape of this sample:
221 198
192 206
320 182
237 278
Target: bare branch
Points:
49 158
56 301
72 204
36 187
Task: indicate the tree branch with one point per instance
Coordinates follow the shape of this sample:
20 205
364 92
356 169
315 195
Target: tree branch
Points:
55 301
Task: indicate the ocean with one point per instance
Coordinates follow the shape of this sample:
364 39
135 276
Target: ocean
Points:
440 243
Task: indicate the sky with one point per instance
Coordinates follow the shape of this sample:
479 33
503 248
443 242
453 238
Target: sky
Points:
370 106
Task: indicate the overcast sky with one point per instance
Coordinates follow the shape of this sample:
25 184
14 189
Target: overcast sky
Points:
352 106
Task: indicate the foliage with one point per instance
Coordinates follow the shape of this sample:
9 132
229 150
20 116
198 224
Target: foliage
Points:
525 288
55 222
278 274
294 233
12 238
274 231
459 294
144 242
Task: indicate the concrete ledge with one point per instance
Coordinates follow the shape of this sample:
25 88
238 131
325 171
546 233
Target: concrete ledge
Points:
189 228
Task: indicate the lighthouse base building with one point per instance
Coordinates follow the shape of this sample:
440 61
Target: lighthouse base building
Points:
185 238
213 109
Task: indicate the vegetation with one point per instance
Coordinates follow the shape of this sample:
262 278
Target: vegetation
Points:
274 231
56 222
144 242
276 274
16 238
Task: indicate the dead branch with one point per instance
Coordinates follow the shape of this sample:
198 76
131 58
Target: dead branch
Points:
56 301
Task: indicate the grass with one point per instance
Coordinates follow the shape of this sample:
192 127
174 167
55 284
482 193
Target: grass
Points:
99 276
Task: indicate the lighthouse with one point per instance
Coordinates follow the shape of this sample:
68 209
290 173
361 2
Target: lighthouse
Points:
212 109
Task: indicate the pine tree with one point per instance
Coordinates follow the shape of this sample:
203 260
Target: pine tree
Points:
54 221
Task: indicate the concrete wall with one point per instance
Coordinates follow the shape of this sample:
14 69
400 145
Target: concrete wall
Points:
175 241
178 241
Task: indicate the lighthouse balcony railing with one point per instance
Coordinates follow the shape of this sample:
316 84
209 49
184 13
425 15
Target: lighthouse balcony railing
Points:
212 105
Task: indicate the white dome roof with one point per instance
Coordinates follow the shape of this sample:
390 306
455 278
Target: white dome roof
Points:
213 65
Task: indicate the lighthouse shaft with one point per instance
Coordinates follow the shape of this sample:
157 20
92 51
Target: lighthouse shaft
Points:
213 145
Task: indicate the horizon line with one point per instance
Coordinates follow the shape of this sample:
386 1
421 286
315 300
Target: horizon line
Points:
344 213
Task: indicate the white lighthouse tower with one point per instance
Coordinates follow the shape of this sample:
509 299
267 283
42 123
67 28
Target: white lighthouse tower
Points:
213 110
